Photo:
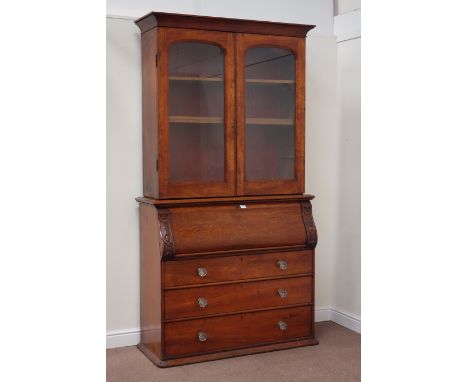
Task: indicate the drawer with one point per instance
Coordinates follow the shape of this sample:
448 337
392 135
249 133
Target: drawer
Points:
236 331
202 301
241 267
205 229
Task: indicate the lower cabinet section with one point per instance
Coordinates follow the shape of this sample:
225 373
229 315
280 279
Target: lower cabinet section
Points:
200 336
225 278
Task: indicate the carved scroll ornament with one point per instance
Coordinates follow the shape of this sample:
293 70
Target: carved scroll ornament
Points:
165 233
311 230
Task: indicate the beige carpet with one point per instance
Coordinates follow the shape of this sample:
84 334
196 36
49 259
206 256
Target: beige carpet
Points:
337 358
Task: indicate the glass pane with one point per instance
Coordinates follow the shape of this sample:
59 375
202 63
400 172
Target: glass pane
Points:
196 113
270 113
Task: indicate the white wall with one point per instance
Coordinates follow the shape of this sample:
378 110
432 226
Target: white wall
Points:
347 261
321 170
317 12
345 6
124 173
124 160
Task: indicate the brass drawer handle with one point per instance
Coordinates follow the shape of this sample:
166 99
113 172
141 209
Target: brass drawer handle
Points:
282 325
282 264
202 336
202 302
202 272
283 293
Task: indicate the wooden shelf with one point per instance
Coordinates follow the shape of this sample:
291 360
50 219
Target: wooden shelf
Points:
269 82
221 79
219 120
194 119
200 79
270 121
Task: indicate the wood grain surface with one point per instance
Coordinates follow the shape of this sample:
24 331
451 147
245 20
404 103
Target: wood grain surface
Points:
232 227
183 303
230 332
235 268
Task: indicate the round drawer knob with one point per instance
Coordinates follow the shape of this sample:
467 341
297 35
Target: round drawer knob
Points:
202 272
283 293
202 302
202 336
282 325
282 264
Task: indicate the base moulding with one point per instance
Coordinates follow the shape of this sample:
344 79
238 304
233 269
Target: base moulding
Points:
225 354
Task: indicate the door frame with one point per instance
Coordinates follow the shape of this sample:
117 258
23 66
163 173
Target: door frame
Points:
225 40
296 45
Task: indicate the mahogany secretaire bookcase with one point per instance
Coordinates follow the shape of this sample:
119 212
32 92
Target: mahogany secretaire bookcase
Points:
227 234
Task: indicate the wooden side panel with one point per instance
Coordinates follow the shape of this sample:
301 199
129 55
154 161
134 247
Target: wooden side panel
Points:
150 280
231 268
233 227
236 331
312 321
184 303
150 113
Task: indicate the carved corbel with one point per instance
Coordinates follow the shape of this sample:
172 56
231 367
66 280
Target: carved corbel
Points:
311 230
165 233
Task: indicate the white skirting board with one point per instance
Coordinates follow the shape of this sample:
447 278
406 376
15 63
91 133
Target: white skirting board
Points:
131 337
123 337
348 320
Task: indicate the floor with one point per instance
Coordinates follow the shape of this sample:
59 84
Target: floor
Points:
337 358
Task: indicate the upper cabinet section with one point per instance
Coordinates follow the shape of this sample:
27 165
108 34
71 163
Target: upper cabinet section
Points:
223 110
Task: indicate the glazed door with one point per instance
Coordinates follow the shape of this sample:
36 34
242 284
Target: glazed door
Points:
196 113
270 114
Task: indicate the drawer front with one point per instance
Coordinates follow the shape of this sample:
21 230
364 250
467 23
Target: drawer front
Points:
231 268
232 227
236 331
201 301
